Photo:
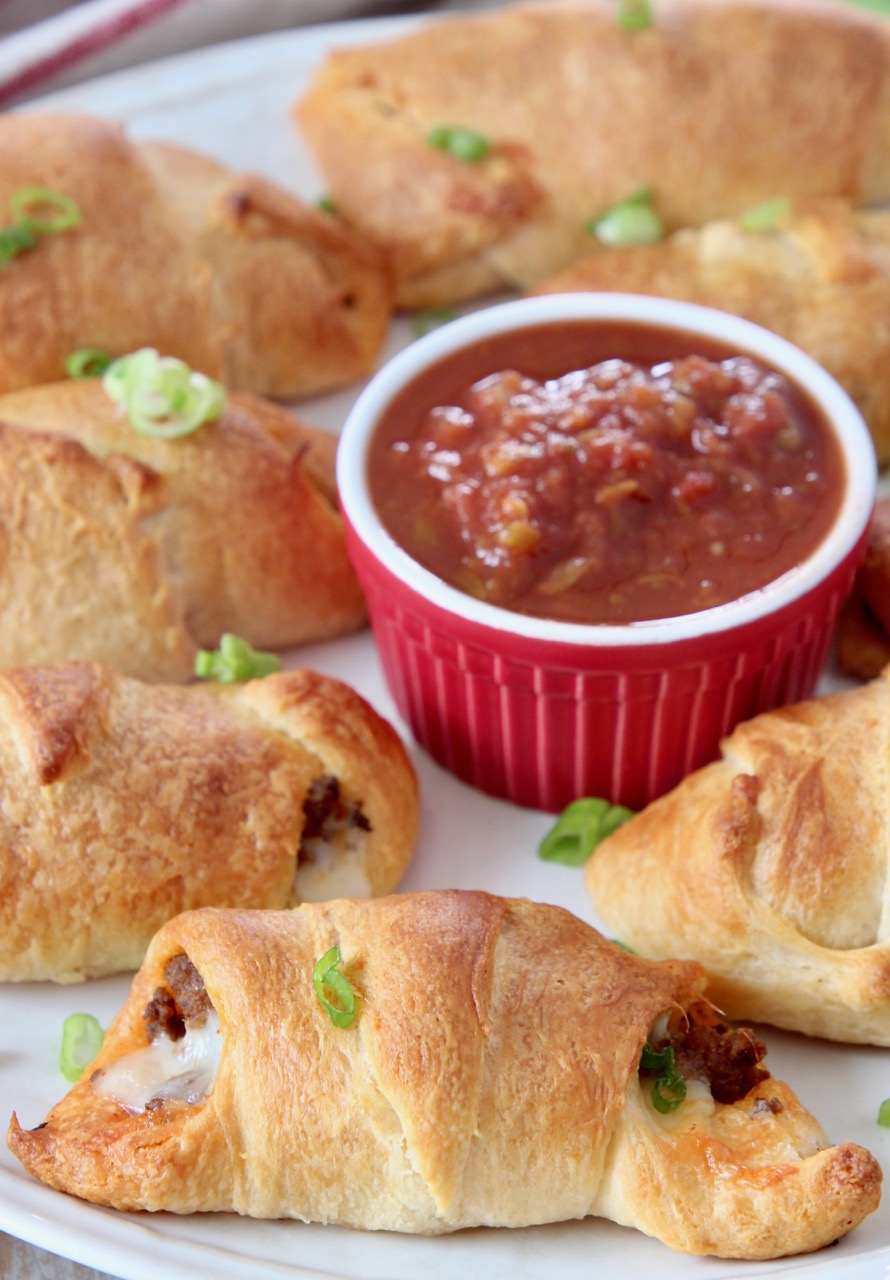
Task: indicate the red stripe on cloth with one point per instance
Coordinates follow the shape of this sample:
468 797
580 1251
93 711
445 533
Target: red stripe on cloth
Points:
100 37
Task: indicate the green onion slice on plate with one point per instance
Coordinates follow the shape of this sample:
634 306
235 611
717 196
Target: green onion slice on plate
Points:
82 1038
458 141
235 662
631 221
884 1114
327 977
580 828
162 396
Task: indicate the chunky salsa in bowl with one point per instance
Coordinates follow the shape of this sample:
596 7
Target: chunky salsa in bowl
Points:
595 531
553 477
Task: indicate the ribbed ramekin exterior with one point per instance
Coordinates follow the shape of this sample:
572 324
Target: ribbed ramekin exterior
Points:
541 724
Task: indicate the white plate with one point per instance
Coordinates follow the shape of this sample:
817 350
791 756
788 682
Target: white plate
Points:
233 101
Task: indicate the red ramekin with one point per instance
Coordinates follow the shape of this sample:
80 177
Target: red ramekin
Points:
542 712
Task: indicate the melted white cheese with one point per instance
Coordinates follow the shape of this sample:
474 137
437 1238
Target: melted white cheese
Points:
181 1070
696 1108
334 868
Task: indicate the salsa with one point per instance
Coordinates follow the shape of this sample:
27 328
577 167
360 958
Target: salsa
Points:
599 473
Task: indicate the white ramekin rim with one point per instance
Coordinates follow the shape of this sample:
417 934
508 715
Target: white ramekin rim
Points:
848 528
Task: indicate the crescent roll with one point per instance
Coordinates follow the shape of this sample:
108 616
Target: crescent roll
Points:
714 107
770 867
820 278
134 551
122 804
491 1077
862 647
228 272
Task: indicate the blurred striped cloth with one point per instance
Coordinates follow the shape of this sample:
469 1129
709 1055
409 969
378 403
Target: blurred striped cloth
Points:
47 44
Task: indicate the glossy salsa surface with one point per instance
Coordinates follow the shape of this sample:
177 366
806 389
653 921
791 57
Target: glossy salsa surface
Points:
596 472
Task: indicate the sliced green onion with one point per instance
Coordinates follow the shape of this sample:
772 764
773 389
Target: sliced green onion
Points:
327 975
88 362
580 828
15 240
669 1090
235 662
884 1114
432 318
27 204
460 142
162 396
634 15
326 204
82 1039
632 221
765 216
655 1059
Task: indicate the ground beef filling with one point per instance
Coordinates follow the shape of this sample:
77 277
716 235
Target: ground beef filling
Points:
327 813
184 999
705 1048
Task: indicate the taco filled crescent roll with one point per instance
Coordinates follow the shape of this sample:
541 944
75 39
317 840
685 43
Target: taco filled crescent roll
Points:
440 1060
124 803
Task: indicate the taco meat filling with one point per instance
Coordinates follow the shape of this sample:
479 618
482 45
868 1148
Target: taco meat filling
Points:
327 813
183 1000
705 1048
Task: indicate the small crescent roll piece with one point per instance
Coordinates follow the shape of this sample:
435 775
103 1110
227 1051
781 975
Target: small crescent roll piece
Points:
490 1077
123 803
820 278
134 551
873 577
715 106
769 867
230 273
862 647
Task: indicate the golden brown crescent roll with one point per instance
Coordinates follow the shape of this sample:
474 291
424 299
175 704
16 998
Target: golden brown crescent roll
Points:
770 868
715 106
863 632
119 548
861 647
228 272
873 577
491 1076
122 804
820 278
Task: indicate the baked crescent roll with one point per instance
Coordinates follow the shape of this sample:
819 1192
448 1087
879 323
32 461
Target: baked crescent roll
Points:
861 647
714 107
122 804
228 272
863 632
491 1076
770 868
820 278
119 548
